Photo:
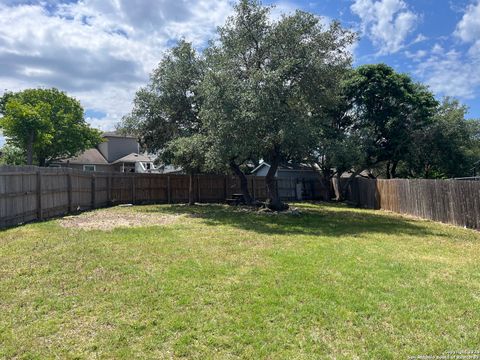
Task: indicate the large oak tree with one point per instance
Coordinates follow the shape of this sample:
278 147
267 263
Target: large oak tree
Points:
270 83
165 114
387 109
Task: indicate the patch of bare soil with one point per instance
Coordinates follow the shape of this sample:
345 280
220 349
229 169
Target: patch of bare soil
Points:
109 219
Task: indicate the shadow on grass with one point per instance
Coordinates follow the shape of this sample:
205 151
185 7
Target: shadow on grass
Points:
316 220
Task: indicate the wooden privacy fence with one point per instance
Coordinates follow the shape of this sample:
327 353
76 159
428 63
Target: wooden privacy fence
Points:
29 193
448 201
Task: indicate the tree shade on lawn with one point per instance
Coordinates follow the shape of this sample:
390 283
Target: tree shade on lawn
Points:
218 282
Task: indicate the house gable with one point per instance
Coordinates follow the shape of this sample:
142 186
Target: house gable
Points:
115 147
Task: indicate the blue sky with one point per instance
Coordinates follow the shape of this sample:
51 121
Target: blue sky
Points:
102 51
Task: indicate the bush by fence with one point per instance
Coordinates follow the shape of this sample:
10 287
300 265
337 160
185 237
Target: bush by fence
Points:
448 201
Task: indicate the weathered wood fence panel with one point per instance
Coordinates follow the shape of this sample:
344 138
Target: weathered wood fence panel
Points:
81 191
287 189
29 193
448 201
18 199
210 188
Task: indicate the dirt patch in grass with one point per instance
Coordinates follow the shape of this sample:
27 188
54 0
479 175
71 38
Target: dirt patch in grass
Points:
109 219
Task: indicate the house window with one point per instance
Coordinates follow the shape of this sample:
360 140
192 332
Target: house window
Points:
88 167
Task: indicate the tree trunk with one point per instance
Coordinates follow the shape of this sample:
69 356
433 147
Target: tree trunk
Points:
243 183
388 170
393 171
326 180
30 150
191 198
343 189
426 172
327 184
338 188
273 201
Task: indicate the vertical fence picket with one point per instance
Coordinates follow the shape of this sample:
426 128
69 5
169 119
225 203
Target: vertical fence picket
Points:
29 193
448 201
39 195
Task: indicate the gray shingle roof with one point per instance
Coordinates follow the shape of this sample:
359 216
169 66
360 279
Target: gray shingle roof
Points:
132 158
90 156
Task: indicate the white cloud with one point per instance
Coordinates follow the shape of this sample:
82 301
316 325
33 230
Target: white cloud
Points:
387 23
468 29
438 49
454 72
420 38
282 8
451 74
100 51
416 55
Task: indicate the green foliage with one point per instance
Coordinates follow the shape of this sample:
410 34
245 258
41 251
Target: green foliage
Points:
167 108
387 108
187 153
446 147
283 91
260 91
229 105
46 123
339 144
11 155
268 85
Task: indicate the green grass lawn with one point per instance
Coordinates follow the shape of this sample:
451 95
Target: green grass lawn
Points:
219 283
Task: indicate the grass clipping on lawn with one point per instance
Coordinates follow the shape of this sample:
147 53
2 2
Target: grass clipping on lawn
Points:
118 217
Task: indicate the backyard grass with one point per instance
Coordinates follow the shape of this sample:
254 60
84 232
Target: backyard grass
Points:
221 283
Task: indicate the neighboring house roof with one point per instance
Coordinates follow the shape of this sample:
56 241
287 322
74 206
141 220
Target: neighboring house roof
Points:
132 158
286 167
117 135
90 156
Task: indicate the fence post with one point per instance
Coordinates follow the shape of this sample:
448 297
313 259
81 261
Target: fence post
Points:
69 189
109 189
93 191
226 187
253 189
133 189
169 195
150 190
198 189
39 195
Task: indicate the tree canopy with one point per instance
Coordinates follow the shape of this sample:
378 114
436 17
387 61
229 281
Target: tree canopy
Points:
165 113
11 155
283 90
447 147
268 83
46 123
167 108
387 109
